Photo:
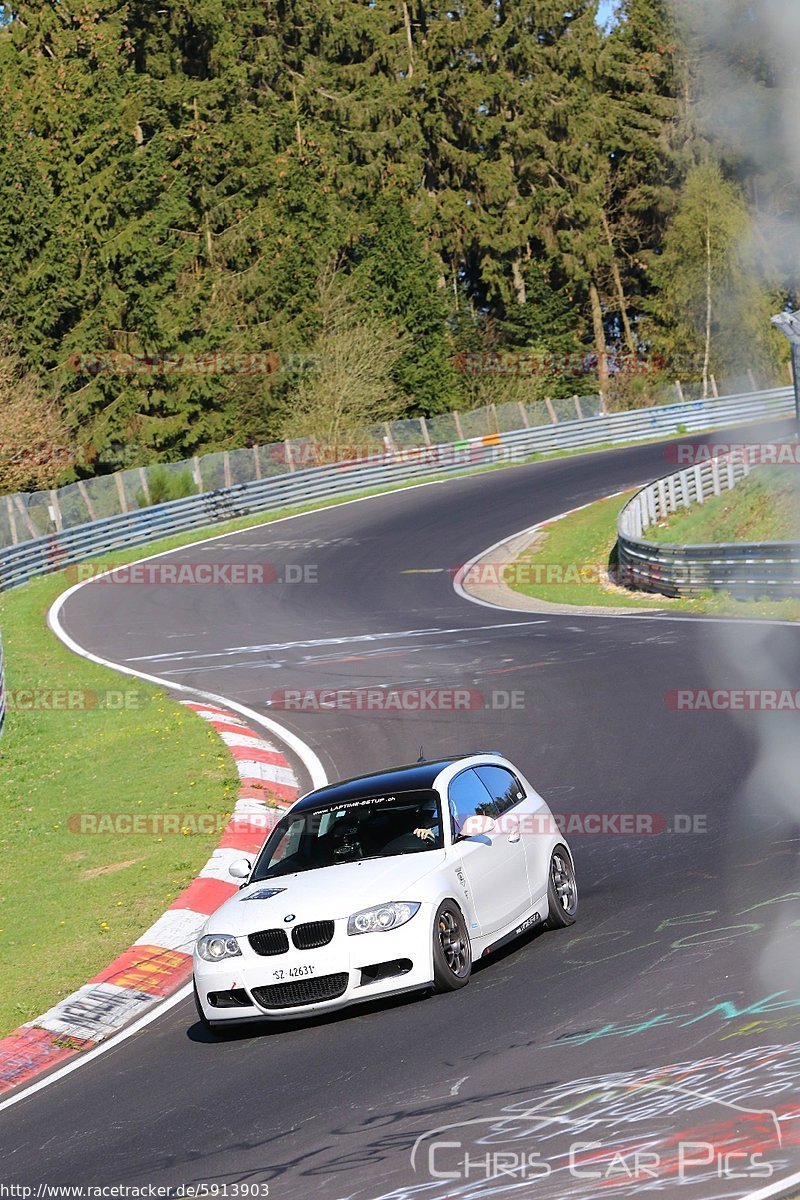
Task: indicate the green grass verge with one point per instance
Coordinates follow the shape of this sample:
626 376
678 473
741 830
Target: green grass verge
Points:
569 563
762 508
69 902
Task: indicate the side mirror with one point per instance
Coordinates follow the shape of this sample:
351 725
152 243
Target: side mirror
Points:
240 868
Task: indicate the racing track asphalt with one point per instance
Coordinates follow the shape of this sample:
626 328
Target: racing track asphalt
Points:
668 928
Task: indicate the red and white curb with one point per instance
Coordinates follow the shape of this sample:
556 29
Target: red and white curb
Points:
160 961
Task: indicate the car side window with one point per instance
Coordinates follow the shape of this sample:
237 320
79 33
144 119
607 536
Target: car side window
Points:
468 797
503 787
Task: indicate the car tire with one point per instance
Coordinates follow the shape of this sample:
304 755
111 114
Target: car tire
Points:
562 890
201 1016
220 1029
452 950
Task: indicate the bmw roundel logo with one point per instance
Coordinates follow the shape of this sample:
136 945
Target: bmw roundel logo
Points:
289 917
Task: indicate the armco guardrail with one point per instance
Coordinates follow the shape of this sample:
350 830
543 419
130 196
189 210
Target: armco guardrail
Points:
745 569
52 552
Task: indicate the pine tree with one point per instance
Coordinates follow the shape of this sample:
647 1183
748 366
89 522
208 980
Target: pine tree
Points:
397 282
637 88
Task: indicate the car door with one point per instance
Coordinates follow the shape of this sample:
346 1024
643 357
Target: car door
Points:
522 809
493 861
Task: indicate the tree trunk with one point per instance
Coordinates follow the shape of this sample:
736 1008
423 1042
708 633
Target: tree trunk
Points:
599 340
297 131
206 219
409 39
519 281
618 288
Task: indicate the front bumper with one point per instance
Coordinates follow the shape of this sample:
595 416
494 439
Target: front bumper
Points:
348 970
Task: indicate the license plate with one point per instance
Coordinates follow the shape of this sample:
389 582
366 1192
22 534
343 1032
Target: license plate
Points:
284 974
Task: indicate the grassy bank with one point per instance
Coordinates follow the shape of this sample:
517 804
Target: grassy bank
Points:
765 507
70 901
569 565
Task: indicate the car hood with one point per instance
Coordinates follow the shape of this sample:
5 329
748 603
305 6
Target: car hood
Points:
325 894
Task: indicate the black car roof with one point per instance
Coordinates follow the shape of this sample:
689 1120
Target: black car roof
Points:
415 777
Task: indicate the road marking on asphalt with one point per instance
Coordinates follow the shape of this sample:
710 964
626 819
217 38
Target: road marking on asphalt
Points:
335 641
774 1189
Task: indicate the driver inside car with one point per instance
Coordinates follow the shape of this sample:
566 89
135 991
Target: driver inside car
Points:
428 827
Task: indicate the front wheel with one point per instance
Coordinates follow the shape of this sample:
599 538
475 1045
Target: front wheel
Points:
220 1029
201 1016
452 950
562 890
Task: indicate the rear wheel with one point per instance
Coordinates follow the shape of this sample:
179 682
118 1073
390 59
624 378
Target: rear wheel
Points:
562 890
452 951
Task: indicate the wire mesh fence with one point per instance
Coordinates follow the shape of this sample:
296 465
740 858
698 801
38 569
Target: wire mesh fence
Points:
24 516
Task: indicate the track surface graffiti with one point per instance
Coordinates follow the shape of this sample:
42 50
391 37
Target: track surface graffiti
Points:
725 1124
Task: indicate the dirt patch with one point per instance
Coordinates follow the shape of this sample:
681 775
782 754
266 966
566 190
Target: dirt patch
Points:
93 872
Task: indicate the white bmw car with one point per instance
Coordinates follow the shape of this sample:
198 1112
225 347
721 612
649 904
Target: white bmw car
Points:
384 884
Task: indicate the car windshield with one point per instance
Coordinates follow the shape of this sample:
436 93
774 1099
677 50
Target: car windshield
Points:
366 827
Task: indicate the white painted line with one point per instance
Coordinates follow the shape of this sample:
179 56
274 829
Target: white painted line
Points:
306 755
774 1189
176 925
309 759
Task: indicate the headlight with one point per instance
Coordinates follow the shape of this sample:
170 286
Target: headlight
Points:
382 917
213 947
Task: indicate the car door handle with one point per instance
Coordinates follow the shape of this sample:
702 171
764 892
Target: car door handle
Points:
514 835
